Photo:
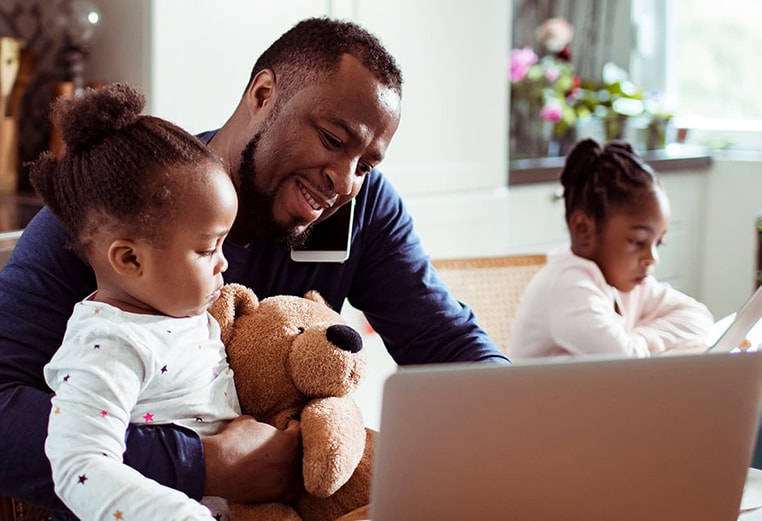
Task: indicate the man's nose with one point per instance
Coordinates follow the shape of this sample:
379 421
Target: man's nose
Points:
341 176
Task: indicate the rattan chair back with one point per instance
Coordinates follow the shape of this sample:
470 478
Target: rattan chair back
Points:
492 287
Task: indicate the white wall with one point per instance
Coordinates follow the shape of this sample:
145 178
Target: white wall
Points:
191 57
121 48
454 59
204 50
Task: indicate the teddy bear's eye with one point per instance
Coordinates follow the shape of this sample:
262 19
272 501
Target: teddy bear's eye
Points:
300 330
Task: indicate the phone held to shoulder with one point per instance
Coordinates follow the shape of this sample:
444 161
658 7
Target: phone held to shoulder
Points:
330 239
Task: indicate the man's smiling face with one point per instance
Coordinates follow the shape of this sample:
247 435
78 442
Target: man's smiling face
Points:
314 149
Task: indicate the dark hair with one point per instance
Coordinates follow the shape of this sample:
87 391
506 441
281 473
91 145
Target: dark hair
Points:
314 47
119 169
596 178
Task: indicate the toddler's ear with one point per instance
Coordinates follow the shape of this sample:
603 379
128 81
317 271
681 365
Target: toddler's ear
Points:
582 231
124 258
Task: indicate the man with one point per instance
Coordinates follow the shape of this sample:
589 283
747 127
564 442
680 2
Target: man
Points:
320 110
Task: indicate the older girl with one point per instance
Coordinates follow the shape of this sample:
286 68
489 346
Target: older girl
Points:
600 297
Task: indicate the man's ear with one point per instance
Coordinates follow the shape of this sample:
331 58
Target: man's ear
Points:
582 230
124 258
261 90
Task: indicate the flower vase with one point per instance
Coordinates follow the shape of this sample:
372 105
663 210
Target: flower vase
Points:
530 135
657 132
562 143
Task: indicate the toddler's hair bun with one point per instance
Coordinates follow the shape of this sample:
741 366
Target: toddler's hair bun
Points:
88 119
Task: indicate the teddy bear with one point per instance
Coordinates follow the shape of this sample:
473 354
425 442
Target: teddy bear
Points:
295 357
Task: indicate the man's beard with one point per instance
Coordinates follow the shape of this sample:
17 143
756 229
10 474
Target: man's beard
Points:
258 206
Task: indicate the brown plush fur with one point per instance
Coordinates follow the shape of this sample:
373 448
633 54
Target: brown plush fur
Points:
285 354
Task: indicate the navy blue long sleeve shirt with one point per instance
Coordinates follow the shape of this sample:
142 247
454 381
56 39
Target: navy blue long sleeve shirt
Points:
387 276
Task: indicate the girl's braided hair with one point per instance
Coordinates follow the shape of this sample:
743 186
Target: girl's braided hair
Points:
598 177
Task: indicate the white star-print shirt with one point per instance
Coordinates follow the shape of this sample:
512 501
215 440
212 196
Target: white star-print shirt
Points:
115 368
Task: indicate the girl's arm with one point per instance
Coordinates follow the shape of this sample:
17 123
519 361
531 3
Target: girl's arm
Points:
668 318
584 321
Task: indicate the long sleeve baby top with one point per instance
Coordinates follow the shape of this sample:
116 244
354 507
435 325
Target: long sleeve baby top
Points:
114 369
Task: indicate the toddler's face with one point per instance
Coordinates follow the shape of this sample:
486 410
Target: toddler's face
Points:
183 275
626 246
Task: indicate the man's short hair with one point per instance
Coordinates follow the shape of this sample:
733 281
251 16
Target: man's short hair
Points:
314 47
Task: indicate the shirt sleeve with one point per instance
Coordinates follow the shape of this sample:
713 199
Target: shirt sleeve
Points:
38 289
584 320
402 296
668 318
97 377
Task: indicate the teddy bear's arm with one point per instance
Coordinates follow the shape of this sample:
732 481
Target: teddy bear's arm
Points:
333 437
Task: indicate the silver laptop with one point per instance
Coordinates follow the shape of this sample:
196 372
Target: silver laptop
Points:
654 439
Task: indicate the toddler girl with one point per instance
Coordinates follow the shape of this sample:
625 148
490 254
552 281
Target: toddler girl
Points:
148 206
600 297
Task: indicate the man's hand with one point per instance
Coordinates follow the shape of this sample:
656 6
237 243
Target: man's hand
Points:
249 461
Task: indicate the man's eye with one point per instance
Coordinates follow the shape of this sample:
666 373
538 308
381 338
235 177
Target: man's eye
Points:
364 168
208 253
330 140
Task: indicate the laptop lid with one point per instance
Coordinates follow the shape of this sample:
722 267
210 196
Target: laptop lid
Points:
626 439
744 320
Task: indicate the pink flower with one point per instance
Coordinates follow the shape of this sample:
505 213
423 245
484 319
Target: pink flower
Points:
521 60
555 34
552 111
552 73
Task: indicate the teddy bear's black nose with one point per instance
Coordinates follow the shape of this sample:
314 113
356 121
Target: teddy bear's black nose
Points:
344 337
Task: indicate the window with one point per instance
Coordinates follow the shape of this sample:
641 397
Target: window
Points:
701 57
704 55
716 58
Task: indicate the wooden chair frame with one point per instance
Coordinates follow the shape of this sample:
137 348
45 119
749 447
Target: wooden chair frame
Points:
492 287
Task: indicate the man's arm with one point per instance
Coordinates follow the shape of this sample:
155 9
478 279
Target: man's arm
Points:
38 289
400 293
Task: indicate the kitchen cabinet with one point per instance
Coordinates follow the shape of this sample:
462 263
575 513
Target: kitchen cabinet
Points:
536 221
681 254
730 234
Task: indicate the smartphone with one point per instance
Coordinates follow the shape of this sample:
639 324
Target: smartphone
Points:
329 240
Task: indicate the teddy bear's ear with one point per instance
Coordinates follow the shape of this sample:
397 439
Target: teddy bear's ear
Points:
235 300
246 301
314 296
